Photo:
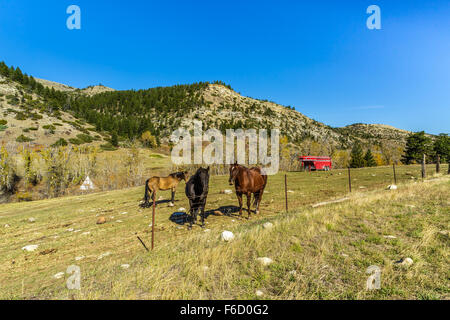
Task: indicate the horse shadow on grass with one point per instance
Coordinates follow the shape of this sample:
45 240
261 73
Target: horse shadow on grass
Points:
182 217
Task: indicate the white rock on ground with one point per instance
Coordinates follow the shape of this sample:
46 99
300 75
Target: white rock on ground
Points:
79 258
103 255
171 204
268 225
124 212
181 209
227 191
6 225
31 219
125 266
390 237
30 247
265 261
407 262
86 233
259 293
59 275
227 236
392 187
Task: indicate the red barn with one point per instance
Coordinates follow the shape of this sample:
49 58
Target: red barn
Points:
316 163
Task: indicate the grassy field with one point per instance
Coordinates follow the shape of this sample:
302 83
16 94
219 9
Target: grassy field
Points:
318 253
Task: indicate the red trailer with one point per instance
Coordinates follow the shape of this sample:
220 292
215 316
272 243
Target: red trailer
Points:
312 163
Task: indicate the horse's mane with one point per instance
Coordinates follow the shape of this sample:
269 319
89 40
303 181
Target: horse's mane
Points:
178 175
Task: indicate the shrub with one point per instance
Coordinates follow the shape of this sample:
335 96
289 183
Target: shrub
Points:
60 143
3 122
75 141
23 138
85 138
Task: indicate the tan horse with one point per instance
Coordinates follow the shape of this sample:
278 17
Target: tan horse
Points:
155 184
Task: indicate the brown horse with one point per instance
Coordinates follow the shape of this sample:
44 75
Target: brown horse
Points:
247 181
155 184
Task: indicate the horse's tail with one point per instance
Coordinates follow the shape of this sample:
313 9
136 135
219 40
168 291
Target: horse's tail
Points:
146 197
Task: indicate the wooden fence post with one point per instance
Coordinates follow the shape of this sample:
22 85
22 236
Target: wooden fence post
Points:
438 164
395 175
424 172
349 180
285 191
153 221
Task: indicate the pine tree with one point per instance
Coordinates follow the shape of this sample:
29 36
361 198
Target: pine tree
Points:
417 144
357 157
369 159
442 147
114 139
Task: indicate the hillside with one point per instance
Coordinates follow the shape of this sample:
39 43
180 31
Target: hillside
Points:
27 119
98 111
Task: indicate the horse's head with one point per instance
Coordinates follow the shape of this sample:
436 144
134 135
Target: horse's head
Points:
203 176
185 176
233 173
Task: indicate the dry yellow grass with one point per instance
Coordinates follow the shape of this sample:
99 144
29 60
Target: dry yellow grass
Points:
329 247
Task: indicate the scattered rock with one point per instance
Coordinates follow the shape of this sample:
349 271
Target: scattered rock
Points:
290 191
70 229
362 187
181 209
265 261
259 293
227 236
79 258
101 220
125 266
160 198
85 233
171 204
124 212
405 262
59 275
293 273
103 255
390 237
6 225
344 255
392 187
31 220
226 191
119 221
30 247
268 225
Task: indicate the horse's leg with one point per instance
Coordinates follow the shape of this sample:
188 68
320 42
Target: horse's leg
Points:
191 213
203 213
173 195
249 203
239 195
258 202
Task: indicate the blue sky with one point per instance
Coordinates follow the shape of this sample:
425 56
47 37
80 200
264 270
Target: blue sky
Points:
317 56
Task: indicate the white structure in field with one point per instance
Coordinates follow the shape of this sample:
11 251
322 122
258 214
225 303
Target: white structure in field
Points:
87 184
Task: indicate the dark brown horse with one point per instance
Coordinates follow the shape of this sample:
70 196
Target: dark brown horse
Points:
248 181
155 184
